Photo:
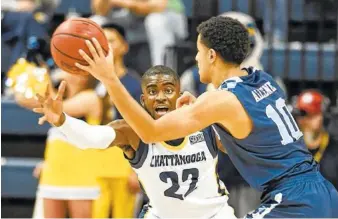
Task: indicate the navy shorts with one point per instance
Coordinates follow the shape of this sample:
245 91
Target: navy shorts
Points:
308 195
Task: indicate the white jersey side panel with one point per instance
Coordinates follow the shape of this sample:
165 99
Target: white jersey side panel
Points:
181 181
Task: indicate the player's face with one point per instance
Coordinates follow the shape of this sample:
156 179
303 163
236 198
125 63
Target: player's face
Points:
160 93
311 123
203 62
119 45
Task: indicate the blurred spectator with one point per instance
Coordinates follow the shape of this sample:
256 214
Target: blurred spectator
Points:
24 30
118 182
165 21
310 108
68 177
18 5
105 12
116 36
16 30
29 5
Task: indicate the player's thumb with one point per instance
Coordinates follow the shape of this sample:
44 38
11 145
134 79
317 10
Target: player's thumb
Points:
182 100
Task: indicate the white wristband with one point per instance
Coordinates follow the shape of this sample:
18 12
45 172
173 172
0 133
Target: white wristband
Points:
84 136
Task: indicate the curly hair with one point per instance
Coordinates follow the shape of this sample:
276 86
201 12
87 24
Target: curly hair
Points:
160 70
227 36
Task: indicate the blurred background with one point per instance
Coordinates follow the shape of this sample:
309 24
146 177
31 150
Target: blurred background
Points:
296 41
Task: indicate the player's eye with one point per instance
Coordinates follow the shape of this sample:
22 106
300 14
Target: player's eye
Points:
152 91
169 91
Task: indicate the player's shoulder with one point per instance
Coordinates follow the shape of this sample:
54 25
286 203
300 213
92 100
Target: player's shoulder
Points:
89 96
219 96
255 77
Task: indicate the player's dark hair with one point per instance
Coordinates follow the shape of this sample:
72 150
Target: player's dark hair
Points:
120 29
160 70
227 36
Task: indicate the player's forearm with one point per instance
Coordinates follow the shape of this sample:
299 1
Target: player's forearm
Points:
174 125
138 119
85 136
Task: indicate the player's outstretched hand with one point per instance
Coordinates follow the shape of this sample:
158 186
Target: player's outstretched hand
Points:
100 66
51 107
185 99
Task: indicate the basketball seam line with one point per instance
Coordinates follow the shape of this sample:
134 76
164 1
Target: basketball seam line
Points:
73 35
80 60
97 26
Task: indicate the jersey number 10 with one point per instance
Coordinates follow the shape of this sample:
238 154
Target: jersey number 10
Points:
286 124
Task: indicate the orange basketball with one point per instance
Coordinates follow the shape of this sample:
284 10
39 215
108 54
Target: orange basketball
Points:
69 37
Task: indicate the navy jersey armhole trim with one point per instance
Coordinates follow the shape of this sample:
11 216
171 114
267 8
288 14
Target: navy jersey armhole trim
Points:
210 140
140 156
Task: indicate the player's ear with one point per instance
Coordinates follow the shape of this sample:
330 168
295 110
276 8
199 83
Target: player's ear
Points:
212 55
142 99
125 47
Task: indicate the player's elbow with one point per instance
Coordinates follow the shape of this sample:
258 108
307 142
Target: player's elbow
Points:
147 138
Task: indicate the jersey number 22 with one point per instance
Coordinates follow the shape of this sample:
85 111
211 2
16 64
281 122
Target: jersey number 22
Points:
173 176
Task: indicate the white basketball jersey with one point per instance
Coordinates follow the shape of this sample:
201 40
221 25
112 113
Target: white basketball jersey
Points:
181 181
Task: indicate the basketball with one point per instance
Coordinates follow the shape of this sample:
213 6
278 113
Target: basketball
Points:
69 37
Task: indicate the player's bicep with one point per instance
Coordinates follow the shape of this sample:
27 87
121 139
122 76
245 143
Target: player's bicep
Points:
225 109
211 107
189 119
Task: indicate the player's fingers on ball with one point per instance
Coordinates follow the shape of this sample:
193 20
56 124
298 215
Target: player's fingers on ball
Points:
86 57
92 50
85 68
38 110
98 47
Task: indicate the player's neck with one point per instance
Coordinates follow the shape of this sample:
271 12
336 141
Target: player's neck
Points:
120 68
225 71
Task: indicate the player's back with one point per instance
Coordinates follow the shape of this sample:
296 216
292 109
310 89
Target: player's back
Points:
275 148
181 180
274 158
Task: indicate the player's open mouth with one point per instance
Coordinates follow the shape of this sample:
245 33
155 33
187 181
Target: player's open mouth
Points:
161 110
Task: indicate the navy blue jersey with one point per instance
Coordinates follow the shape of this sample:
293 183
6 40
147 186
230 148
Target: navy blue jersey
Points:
275 148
